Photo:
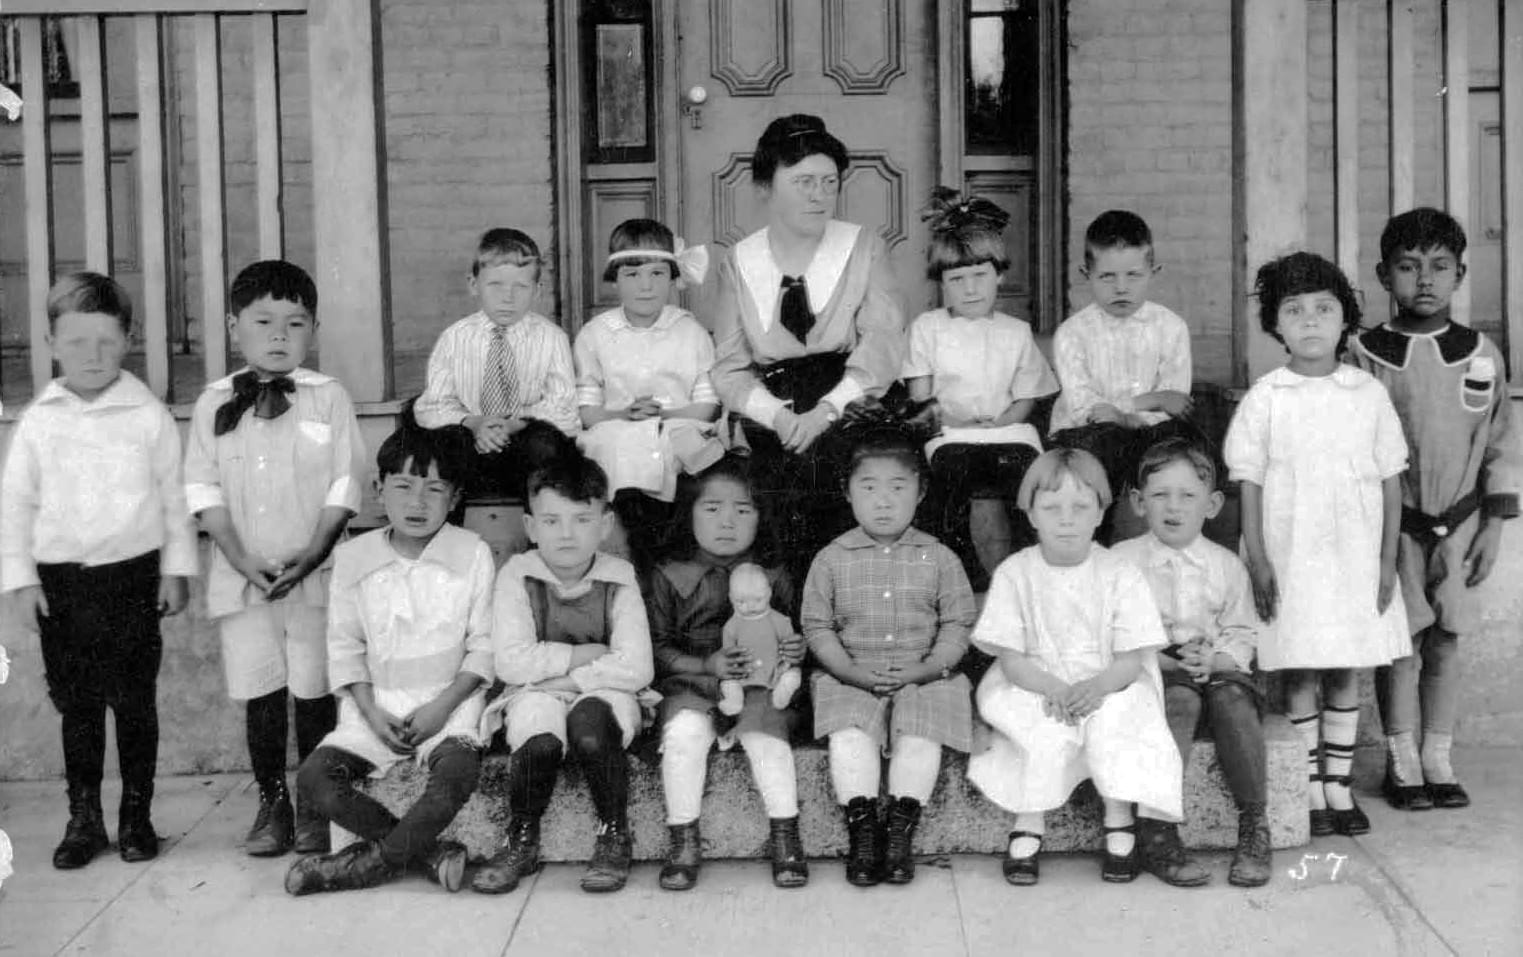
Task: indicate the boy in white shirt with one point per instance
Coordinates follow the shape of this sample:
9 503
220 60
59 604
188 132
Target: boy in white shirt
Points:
1123 361
95 545
1206 602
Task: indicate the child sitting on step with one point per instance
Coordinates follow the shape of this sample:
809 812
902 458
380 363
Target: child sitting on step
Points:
409 657
572 645
689 603
1075 692
886 612
642 382
1206 601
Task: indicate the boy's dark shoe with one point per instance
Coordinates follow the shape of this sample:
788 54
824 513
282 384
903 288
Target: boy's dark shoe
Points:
1405 797
516 859
1448 796
311 830
864 854
1251 861
1321 821
609 868
85 835
899 850
136 840
357 866
683 856
274 829
1162 854
789 869
1119 868
445 865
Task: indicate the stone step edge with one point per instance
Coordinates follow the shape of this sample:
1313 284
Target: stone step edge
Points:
957 819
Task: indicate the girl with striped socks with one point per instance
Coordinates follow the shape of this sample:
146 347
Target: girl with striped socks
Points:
1319 453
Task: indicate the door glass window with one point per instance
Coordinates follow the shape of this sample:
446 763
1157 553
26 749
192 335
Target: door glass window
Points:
1002 80
616 44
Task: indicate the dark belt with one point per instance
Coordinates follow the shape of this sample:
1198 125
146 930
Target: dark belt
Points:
803 381
1436 528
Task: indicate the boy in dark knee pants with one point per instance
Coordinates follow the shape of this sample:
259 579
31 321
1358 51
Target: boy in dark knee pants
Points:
95 545
572 645
409 657
1206 601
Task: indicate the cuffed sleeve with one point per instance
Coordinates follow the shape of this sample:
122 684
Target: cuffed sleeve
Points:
440 404
734 379
179 553
1134 622
1002 625
349 461
876 360
589 368
1246 448
955 609
818 612
478 624
203 483
557 401
1238 626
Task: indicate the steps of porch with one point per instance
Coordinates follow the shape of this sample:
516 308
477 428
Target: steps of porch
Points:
957 820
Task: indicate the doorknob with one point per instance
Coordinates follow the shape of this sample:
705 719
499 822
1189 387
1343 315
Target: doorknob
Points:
692 105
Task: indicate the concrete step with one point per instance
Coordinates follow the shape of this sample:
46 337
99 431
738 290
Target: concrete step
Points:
957 820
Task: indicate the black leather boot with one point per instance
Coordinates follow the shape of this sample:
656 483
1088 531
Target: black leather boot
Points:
898 855
85 835
135 837
683 856
516 859
864 855
789 869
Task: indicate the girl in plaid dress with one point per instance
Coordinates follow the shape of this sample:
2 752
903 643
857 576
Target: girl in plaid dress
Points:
886 612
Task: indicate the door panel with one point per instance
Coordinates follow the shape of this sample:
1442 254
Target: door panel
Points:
865 66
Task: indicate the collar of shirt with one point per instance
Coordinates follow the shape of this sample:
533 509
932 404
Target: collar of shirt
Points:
758 270
605 568
1160 554
1142 315
858 538
484 323
1347 376
128 391
452 548
299 375
685 575
618 322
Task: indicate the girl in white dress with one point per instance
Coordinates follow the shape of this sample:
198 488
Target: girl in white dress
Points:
642 382
1076 692
1318 450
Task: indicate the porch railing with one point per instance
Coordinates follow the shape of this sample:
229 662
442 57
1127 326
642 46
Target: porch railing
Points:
349 240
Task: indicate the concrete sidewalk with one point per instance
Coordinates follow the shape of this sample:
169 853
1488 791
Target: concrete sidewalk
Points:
1436 882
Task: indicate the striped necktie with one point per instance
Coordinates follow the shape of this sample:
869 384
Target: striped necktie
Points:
499 387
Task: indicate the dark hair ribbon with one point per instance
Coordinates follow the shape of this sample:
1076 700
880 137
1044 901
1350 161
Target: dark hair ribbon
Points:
949 211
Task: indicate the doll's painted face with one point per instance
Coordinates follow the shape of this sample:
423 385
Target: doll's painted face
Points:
750 592
724 518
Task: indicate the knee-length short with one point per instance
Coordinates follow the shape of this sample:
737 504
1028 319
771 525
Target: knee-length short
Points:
278 645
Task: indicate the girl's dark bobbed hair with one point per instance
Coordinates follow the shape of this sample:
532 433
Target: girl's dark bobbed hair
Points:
787 140
1295 275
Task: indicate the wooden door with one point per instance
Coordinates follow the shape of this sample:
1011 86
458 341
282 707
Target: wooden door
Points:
867 67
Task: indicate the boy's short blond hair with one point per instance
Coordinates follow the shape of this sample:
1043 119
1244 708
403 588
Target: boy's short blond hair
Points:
505 245
1047 472
89 292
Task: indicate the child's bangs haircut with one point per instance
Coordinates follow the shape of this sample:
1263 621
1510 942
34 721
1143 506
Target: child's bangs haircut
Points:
1163 454
505 245
573 477
882 442
1047 472
1421 229
413 450
1117 229
274 279
966 246
690 488
1300 273
89 292
639 234
788 141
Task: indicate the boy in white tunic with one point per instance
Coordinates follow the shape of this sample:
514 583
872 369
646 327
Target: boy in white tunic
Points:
1076 692
410 656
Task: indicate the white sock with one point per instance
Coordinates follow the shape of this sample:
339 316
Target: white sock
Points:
856 766
1119 814
1036 823
1306 727
1340 729
1401 752
913 768
685 743
772 769
1436 767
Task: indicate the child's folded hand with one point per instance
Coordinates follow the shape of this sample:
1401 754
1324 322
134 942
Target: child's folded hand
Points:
791 648
1084 697
886 681
31 605
174 592
291 574
425 721
729 664
644 407
1105 412
261 572
389 728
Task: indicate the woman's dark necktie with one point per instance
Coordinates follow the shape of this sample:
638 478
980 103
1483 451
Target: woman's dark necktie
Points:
797 318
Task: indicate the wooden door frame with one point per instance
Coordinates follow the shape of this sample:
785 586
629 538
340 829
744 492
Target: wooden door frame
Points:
566 150
1050 304
572 306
